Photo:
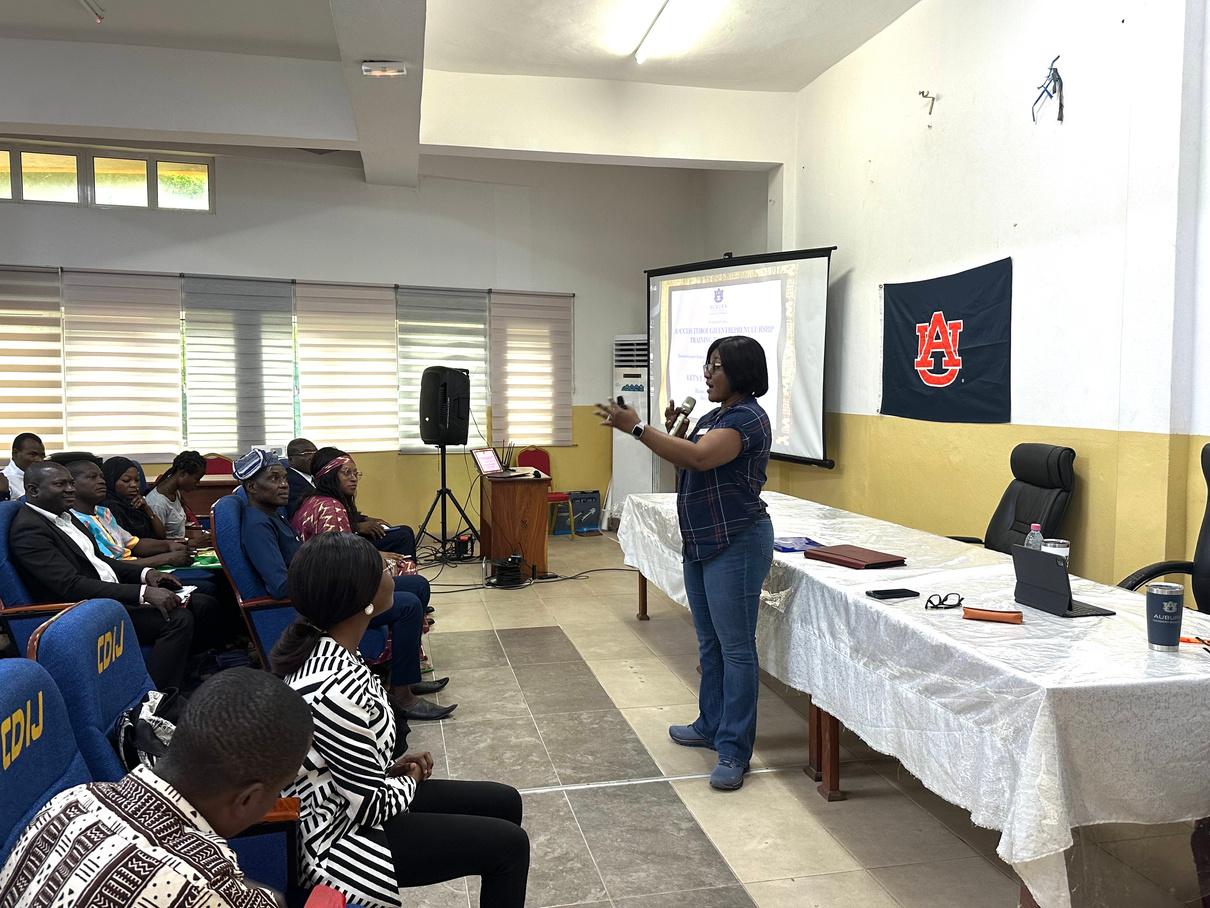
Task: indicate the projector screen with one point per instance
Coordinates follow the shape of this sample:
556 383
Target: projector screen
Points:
779 299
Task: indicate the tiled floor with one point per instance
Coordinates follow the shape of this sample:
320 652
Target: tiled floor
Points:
565 695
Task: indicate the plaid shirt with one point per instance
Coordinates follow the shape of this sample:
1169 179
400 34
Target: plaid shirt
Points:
715 506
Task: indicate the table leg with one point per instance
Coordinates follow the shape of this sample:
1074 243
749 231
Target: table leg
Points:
813 743
829 788
642 615
1026 899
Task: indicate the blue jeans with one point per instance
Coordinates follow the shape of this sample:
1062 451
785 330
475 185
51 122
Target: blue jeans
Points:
724 597
403 620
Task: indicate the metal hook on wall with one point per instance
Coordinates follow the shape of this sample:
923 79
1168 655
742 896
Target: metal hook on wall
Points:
1053 81
929 97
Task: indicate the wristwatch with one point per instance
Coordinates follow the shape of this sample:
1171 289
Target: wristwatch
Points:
637 431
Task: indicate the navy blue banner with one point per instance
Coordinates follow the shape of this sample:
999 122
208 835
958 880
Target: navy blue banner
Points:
946 346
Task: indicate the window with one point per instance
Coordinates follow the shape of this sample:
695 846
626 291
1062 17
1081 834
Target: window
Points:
531 343
239 363
43 171
122 350
440 328
348 384
181 185
31 361
119 181
49 178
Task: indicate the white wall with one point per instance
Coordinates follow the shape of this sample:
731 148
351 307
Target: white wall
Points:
737 213
1088 209
587 229
110 90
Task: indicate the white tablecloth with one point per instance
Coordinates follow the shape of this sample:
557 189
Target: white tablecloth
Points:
1034 728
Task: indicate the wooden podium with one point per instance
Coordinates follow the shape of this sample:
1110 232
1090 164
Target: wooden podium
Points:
513 518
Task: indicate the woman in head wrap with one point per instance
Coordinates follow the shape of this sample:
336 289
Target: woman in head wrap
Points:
332 505
270 544
125 499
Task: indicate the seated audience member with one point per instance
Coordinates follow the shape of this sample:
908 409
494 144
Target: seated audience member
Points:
157 836
165 500
27 449
124 499
112 539
370 823
298 462
333 506
271 544
59 561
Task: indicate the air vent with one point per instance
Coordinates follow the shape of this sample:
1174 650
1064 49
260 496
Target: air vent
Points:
630 351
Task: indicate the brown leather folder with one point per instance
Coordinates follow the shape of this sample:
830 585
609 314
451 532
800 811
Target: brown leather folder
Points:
988 614
854 556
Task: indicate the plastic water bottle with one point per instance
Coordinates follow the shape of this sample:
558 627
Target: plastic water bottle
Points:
1034 539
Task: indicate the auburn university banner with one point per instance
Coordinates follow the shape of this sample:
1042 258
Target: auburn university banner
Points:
946 346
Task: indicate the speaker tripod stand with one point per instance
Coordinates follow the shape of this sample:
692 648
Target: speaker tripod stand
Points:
443 494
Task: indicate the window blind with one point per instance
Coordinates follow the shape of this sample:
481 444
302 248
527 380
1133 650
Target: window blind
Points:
31 360
347 371
239 363
122 358
440 328
531 371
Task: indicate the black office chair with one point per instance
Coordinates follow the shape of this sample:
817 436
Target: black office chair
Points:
1198 568
1043 480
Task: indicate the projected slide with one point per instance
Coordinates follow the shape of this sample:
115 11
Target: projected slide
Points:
781 301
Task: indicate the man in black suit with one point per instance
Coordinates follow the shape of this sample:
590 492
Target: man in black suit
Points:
59 561
298 471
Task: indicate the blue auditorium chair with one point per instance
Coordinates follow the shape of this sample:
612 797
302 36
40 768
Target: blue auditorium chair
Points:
19 615
84 650
38 753
266 617
91 652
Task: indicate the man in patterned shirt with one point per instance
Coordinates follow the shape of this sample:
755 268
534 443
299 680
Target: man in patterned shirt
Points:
156 838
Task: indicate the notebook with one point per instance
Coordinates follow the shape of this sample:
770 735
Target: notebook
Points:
854 556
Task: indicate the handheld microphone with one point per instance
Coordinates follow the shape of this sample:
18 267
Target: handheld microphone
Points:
682 418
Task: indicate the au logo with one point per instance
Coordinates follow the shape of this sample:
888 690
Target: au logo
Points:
937 336
718 295
109 646
1170 607
19 730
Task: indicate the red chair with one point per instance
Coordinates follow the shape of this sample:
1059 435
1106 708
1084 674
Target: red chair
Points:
217 464
538 459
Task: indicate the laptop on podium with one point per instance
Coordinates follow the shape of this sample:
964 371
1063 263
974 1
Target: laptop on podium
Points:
489 465
1042 583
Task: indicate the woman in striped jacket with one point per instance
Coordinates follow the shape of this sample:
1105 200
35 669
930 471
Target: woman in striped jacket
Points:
371 824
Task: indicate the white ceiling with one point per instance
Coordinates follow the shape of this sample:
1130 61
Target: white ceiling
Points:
760 45
769 45
763 45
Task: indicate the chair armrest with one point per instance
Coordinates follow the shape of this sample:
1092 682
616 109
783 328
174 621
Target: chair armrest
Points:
16 611
323 897
973 540
284 811
263 602
1159 569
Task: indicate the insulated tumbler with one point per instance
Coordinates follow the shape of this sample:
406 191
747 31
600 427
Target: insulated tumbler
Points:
1165 605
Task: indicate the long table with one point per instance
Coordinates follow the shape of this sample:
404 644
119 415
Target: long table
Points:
1036 729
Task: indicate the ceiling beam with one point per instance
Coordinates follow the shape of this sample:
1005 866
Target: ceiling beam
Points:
386 111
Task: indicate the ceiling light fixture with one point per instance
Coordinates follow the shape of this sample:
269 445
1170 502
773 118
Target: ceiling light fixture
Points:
640 52
378 68
93 9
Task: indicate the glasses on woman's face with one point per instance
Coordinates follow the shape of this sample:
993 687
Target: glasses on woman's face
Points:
949 600
711 368
350 474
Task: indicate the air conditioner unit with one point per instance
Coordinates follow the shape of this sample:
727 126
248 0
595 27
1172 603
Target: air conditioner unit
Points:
632 462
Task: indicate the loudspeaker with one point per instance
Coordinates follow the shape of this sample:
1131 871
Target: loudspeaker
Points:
445 405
